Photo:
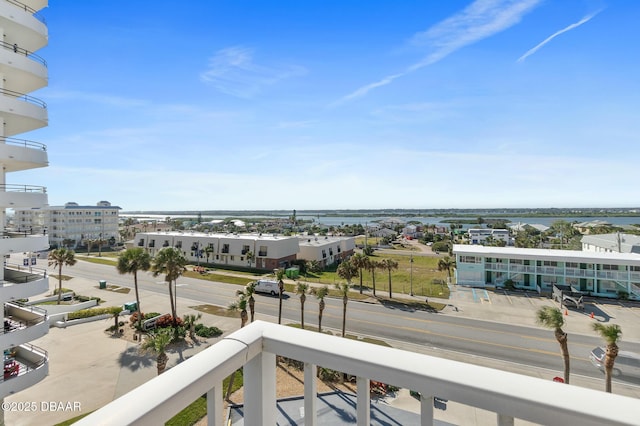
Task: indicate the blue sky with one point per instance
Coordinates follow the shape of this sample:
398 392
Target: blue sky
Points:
218 105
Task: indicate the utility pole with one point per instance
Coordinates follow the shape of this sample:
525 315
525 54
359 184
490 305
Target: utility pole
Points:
411 276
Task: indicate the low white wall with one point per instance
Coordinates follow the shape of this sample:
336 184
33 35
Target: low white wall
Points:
49 298
58 309
62 322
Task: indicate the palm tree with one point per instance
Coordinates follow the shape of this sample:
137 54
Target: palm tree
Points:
347 270
250 257
446 264
343 288
611 334
131 261
157 344
58 258
372 265
360 262
249 291
189 321
170 262
320 293
551 317
302 289
280 276
208 250
389 265
240 305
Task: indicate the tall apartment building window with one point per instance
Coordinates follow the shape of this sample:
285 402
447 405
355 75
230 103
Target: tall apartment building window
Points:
262 251
225 248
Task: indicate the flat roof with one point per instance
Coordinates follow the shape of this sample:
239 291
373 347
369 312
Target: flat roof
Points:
204 235
596 257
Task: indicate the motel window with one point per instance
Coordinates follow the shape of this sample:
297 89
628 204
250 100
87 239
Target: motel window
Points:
231 257
263 251
245 249
610 267
516 261
549 263
470 259
634 268
572 264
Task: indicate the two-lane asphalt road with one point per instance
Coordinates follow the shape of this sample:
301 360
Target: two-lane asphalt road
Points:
507 342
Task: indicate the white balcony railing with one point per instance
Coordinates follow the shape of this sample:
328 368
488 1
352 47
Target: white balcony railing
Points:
255 347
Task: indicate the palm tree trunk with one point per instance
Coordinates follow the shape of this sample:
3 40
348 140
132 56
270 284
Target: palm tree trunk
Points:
609 361
252 307
139 310
173 306
373 280
161 362
344 314
280 303
320 319
302 299
59 283
564 348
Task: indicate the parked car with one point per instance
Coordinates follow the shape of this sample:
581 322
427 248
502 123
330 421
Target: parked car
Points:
268 286
626 363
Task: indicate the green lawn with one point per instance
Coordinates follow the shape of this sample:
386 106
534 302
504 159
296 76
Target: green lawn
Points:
425 271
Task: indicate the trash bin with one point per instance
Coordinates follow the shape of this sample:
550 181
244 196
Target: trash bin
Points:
131 306
103 283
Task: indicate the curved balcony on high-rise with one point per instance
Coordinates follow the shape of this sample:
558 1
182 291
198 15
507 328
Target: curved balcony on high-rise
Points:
23 71
21 17
22 282
22 324
24 366
17 196
21 112
22 154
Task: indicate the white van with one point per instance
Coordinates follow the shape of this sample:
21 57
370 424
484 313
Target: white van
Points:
625 364
267 286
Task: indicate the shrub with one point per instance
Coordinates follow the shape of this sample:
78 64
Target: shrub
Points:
328 375
204 331
441 246
86 313
167 321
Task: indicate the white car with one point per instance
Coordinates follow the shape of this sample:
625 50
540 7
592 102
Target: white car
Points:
267 286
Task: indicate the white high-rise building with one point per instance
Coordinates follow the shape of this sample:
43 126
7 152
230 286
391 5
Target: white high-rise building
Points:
22 71
71 225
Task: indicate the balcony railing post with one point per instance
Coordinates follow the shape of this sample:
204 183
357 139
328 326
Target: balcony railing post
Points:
310 394
504 420
260 390
426 410
363 404
214 406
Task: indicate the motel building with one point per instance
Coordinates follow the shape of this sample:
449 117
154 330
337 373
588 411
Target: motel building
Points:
594 273
325 250
260 251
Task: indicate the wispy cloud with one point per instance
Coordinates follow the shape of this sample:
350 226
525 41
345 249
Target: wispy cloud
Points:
481 19
556 34
233 71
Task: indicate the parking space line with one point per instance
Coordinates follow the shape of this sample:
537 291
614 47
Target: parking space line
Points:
486 295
